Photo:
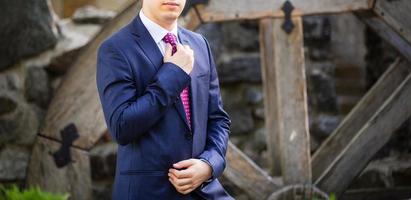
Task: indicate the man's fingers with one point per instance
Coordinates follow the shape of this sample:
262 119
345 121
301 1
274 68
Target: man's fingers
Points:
179 46
182 182
180 186
184 164
181 173
185 189
173 182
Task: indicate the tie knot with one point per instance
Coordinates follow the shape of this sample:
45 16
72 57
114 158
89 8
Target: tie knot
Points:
170 38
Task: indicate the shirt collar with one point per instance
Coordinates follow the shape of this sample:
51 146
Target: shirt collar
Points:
155 30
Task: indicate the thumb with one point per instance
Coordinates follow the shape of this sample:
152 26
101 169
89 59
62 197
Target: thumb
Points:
184 164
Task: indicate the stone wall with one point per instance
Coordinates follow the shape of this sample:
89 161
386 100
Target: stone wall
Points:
27 30
33 58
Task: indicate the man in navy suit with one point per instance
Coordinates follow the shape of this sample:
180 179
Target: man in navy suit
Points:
160 95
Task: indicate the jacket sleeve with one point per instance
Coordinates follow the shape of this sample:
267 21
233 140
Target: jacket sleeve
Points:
218 125
127 115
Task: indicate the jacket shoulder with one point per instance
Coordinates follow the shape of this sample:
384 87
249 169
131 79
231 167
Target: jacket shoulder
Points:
194 37
122 36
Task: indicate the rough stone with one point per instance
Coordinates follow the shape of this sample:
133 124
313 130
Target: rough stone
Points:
73 38
214 35
317 37
260 140
242 120
372 178
10 81
388 172
27 29
241 36
37 88
232 95
322 94
325 66
18 122
241 68
103 161
314 144
13 163
347 40
323 125
317 28
102 189
399 143
253 96
378 58
92 15
403 177
259 113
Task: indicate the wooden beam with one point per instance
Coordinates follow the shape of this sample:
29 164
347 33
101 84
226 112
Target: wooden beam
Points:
397 14
385 32
245 174
284 86
226 10
372 136
76 100
270 98
74 178
336 143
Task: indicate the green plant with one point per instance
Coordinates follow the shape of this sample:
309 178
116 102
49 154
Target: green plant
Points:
14 193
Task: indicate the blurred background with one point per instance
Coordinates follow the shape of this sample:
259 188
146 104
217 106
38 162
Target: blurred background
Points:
40 40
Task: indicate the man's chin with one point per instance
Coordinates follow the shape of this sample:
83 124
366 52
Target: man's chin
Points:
171 16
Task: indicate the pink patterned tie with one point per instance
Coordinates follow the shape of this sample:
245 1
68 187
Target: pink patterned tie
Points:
185 98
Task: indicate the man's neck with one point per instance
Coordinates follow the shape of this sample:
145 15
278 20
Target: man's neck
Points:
168 25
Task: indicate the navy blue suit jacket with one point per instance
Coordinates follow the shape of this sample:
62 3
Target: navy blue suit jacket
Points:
140 99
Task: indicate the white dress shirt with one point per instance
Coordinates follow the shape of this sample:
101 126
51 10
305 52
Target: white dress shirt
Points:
156 31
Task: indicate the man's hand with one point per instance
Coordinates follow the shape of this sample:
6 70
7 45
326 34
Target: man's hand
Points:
184 57
189 174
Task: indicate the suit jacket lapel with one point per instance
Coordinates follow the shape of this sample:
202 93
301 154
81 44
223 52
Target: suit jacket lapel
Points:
193 85
147 43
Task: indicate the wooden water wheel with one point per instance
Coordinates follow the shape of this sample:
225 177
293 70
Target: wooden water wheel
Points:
75 121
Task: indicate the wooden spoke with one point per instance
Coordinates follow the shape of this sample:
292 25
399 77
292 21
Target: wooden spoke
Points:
397 14
385 32
371 137
244 173
336 143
